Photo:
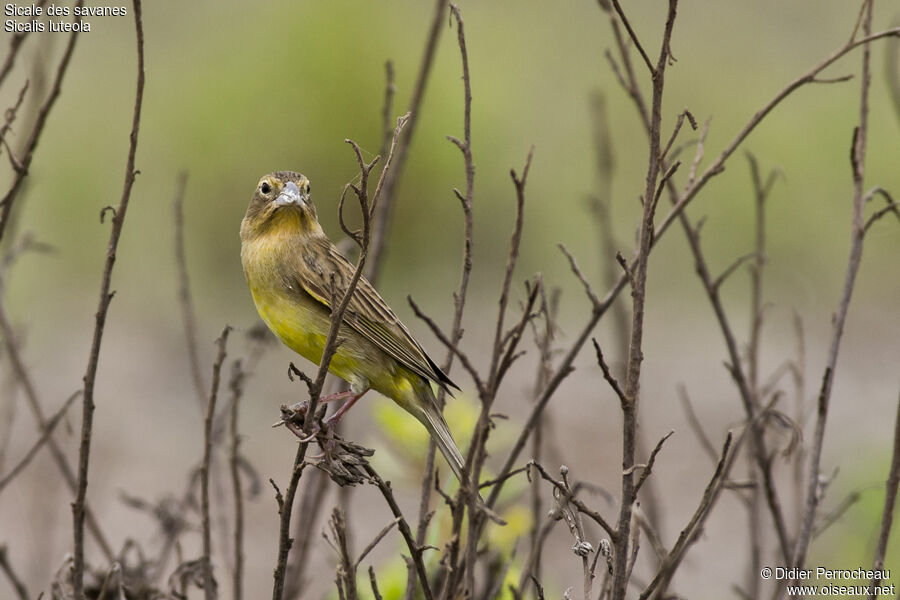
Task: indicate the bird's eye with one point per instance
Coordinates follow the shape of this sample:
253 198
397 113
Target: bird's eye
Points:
265 188
307 189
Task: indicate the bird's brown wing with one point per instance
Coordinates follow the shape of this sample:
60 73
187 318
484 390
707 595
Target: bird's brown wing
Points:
322 267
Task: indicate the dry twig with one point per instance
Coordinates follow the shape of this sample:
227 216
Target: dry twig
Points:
890 499
45 436
105 298
209 582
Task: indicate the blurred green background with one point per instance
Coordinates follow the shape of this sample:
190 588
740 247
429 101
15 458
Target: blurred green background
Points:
237 89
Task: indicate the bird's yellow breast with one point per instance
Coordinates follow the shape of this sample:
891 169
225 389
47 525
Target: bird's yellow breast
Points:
302 323
296 318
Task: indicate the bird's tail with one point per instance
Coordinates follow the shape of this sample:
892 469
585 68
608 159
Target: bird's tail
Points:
431 417
440 433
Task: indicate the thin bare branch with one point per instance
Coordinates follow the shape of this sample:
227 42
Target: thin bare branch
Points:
890 207
105 298
890 499
237 391
209 583
857 159
375 541
11 114
45 436
648 468
607 374
695 423
734 266
654 181
581 506
346 571
459 297
634 37
595 301
689 534
15 45
414 549
311 503
696 184
718 165
375 593
512 259
453 348
678 123
285 507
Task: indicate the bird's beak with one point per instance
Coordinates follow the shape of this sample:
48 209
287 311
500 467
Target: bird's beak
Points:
290 196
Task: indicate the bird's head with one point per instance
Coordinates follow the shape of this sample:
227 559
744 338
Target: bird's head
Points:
281 203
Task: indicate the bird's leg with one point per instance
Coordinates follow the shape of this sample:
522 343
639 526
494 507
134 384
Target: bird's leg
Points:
333 419
302 407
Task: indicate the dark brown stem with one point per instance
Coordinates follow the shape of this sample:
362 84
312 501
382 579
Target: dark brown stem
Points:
712 289
346 569
315 486
634 37
568 496
285 507
631 388
209 585
415 550
647 469
718 164
887 513
375 593
511 260
459 297
544 338
857 159
695 423
11 114
502 355
237 390
608 376
564 368
760 192
375 541
90 374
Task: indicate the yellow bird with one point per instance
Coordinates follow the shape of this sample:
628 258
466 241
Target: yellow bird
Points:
290 266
